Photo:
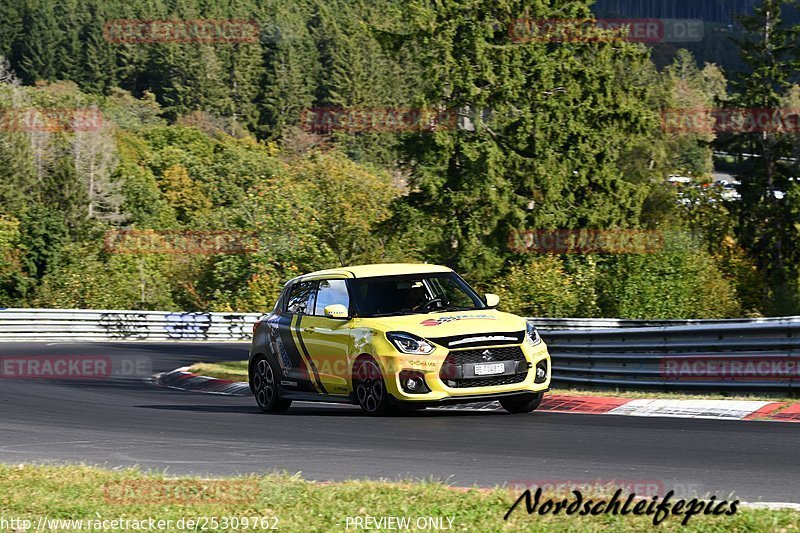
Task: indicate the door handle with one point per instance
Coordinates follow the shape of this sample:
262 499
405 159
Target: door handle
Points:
310 329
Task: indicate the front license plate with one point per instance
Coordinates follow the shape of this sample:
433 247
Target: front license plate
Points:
489 369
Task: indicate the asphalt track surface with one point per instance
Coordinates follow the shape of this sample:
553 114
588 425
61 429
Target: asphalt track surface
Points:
124 421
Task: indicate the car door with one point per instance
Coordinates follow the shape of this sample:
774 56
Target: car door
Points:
299 373
328 339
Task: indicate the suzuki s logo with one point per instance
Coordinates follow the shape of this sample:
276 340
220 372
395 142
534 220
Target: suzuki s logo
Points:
486 355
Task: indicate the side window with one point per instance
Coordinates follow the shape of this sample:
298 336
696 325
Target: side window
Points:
300 298
331 292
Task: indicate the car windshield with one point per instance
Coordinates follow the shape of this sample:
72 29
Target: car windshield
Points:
410 294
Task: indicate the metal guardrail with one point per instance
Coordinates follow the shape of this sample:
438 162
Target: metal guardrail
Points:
65 324
559 324
762 354
586 352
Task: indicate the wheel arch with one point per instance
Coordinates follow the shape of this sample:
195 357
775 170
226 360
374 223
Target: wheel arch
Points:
364 356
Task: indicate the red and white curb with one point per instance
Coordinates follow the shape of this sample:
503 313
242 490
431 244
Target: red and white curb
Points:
708 409
182 379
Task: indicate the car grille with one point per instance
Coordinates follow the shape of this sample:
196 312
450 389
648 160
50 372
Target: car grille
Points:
458 342
511 353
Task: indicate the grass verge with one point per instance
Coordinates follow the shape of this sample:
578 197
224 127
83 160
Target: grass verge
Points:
237 371
230 370
86 493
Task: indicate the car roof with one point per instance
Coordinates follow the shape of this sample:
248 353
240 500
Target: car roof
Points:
371 271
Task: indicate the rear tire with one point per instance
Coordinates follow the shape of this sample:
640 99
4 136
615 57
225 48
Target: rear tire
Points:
526 403
265 387
370 389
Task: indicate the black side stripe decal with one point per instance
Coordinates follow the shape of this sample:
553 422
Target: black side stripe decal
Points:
308 357
295 358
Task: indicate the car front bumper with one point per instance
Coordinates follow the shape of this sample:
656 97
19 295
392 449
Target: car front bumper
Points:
452 378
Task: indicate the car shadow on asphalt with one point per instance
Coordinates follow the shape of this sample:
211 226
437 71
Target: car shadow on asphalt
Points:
331 411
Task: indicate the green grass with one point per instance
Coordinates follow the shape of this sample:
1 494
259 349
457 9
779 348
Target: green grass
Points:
230 370
237 371
77 492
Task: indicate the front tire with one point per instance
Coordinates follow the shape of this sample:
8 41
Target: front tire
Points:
370 389
265 388
522 404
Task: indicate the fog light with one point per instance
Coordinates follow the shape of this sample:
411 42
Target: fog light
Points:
413 382
541 372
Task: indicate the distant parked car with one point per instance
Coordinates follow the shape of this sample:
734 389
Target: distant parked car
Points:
730 190
679 179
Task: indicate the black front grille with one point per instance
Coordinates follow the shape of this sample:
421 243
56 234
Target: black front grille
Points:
457 358
511 353
498 338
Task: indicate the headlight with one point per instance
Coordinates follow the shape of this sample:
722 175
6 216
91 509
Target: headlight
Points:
408 343
532 335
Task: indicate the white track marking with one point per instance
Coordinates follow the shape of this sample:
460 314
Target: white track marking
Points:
772 506
714 409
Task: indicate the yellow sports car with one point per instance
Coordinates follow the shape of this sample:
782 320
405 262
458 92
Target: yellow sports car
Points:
391 336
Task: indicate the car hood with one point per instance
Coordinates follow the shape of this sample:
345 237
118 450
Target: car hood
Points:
436 325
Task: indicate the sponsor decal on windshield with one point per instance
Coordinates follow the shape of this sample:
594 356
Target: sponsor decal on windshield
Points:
453 318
